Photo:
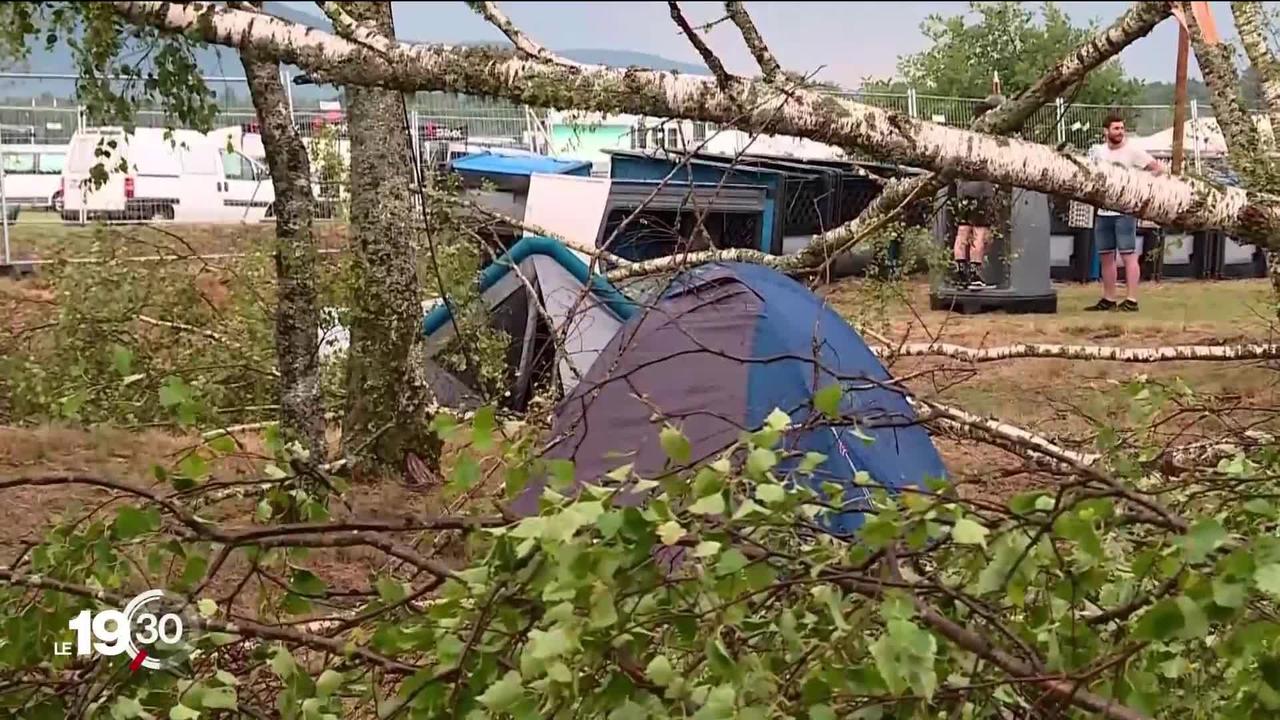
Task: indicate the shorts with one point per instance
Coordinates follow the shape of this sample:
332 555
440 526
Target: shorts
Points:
974 211
1115 233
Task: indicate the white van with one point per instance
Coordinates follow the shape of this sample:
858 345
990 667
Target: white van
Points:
32 175
185 176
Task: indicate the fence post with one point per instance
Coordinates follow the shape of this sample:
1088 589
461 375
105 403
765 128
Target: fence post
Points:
1195 133
415 140
1060 110
912 108
287 78
4 213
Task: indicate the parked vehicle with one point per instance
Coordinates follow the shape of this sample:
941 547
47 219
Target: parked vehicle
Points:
32 176
156 174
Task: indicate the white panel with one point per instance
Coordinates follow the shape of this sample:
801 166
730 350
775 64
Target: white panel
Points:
569 206
1234 253
578 316
1177 249
1060 249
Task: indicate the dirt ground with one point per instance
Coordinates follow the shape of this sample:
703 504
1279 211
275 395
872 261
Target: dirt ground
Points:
1057 397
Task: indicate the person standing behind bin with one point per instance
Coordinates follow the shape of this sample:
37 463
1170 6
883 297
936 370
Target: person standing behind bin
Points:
975 213
1116 234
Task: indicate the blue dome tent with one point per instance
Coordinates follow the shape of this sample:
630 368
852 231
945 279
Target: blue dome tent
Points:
721 348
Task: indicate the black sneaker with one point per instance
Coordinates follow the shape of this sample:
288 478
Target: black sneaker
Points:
1101 306
959 275
1129 305
975 278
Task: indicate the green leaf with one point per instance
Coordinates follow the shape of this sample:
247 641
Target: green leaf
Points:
777 420
482 429
122 359
609 523
389 589
731 562
132 522
182 712
223 444
659 671
1161 622
821 712
827 400
226 678
545 645
1267 578
670 532
761 461
968 532
304 582
629 710
771 493
604 611
125 708
675 444
329 681
193 466
709 505
218 698
1202 539
504 693
1228 594
465 474
811 462
706 548
562 474
174 392
207 607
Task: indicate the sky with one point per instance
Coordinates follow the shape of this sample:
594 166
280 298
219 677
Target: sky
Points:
848 40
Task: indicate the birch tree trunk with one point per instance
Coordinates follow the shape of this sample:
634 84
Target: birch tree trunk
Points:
297 314
387 391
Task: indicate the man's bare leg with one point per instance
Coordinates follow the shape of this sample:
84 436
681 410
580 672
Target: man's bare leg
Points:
1109 275
1132 274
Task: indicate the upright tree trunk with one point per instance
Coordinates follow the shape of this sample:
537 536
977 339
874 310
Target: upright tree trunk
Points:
387 392
297 314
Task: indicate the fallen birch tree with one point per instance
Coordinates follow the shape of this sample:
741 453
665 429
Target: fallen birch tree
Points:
1168 353
776 108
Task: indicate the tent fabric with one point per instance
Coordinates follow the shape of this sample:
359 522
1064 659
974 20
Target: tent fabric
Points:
536 290
724 346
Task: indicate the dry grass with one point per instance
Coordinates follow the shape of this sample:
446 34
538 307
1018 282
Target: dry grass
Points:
1066 398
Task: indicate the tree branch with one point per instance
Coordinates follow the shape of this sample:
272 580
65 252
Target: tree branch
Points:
1217 65
360 32
523 43
1249 23
1211 353
708 56
755 43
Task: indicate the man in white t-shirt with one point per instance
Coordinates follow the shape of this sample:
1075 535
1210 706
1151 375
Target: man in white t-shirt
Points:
1113 233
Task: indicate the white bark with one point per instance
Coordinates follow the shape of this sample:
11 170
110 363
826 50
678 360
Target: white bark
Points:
1249 24
1183 202
1219 353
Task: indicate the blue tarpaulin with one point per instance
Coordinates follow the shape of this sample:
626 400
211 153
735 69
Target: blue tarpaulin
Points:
495 164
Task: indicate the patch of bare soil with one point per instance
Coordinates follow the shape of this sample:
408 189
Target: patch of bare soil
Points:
27 513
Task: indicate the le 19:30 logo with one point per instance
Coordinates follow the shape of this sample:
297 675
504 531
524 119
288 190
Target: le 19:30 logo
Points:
154 630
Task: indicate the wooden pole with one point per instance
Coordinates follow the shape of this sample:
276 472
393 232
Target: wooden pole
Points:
1180 99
